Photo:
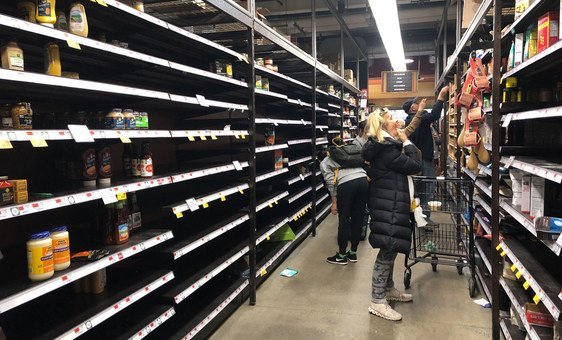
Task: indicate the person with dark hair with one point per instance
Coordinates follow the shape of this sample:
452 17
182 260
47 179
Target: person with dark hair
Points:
422 137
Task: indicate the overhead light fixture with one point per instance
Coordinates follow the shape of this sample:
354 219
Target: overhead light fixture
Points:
385 13
408 61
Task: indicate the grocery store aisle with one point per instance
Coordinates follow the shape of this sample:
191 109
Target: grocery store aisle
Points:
325 301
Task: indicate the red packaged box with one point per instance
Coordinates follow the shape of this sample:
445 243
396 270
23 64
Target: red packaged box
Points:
538 315
547 31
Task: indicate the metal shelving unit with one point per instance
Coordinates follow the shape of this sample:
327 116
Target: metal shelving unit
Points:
533 259
216 191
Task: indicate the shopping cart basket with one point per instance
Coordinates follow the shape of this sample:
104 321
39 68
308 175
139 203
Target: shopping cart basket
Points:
450 239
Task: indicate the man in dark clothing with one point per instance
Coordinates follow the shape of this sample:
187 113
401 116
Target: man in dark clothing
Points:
422 137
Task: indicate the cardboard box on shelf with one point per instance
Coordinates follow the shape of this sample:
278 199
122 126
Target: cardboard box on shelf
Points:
516 177
278 159
538 315
537 196
19 184
547 31
526 194
521 6
519 42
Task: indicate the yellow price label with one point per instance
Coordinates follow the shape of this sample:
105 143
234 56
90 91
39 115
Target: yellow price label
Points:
205 205
191 138
203 137
223 198
125 139
536 299
498 247
263 272
122 196
241 191
243 136
5 144
502 254
518 275
179 215
237 136
295 218
268 238
513 267
270 205
213 137
38 143
276 202
73 44
102 3
526 285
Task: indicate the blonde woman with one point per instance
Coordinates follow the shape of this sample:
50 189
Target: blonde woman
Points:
392 159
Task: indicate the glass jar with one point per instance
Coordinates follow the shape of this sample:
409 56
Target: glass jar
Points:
22 116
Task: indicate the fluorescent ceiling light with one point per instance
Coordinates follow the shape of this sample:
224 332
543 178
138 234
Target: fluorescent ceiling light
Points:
385 13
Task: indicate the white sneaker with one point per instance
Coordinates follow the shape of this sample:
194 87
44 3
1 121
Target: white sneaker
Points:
395 295
384 311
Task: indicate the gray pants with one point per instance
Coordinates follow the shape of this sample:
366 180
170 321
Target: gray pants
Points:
382 275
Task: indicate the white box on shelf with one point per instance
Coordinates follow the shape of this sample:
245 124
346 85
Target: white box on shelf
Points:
519 43
516 183
526 193
537 195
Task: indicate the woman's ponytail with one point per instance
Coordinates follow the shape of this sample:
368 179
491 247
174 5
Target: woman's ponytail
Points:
375 126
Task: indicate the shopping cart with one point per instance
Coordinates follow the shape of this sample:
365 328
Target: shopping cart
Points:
450 240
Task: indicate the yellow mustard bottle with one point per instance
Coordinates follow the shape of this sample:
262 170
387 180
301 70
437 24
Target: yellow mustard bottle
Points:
40 257
77 20
45 12
52 60
26 10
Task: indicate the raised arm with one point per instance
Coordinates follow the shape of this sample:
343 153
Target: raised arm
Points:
416 121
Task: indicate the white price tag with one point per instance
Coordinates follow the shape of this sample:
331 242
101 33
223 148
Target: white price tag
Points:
302 121
559 240
237 165
509 162
202 100
81 133
192 204
275 123
227 128
302 177
507 120
109 199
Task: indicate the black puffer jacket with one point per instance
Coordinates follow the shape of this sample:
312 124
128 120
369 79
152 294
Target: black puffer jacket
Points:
389 197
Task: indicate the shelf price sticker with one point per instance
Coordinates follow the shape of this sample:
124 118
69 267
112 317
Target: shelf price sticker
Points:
81 133
263 272
192 204
223 198
205 205
102 3
179 215
213 136
38 143
498 247
125 139
502 254
121 196
526 285
191 138
241 191
109 199
6 144
73 44
202 100
237 165
513 267
518 275
536 299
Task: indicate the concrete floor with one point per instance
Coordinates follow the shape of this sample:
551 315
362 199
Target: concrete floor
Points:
325 301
